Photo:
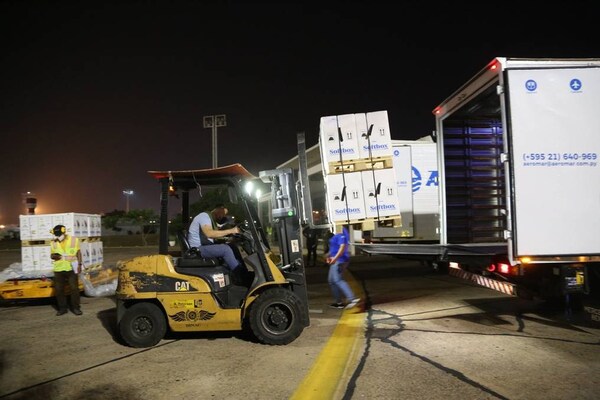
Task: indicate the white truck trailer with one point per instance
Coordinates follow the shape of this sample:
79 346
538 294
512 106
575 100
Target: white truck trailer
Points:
519 178
415 164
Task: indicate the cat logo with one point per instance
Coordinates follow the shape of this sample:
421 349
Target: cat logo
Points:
182 286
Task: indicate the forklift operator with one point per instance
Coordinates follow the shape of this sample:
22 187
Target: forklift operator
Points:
202 234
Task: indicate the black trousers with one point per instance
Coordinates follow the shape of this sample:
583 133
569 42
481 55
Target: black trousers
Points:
70 278
312 253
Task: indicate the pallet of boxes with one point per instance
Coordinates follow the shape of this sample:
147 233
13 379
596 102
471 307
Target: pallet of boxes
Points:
358 171
32 278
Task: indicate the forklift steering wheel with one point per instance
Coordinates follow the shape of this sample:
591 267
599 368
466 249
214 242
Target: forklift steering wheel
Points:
245 237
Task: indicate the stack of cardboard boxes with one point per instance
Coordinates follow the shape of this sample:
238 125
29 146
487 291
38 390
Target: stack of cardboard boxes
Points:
36 236
356 154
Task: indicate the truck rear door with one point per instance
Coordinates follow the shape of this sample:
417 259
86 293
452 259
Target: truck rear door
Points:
554 142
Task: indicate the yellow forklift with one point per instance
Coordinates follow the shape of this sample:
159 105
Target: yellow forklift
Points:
180 291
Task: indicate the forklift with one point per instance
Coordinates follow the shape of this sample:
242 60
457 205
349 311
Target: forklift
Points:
181 291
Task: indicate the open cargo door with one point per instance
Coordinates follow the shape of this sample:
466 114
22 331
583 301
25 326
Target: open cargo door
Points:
555 154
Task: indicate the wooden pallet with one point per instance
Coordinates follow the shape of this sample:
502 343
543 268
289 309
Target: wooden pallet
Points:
363 164
369 224
46 242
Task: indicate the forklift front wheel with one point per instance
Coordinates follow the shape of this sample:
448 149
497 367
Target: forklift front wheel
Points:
143 325
275 317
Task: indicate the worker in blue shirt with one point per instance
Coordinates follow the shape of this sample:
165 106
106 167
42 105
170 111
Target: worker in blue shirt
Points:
338 260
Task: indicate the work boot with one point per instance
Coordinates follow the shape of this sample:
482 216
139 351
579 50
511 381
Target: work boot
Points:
77 311
61 312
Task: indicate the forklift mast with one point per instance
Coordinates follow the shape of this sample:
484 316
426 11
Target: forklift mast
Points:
287 224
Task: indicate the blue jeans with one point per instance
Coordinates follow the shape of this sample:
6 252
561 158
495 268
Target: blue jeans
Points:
337 283
220 250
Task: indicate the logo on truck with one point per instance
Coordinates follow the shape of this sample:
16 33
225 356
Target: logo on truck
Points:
417 179
531 85
575 85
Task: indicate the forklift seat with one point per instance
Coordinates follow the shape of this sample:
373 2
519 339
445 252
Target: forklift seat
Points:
190 256
186 250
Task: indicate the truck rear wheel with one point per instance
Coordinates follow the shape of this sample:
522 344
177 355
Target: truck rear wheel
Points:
143 325
275 317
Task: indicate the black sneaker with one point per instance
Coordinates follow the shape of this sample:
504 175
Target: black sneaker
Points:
61 312
336 305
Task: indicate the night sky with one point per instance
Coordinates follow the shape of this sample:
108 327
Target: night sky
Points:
94 95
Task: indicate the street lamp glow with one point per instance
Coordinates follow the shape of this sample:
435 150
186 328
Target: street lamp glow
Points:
128 193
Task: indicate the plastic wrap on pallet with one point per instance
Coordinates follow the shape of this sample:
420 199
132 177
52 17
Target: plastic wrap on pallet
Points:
16 271
102 290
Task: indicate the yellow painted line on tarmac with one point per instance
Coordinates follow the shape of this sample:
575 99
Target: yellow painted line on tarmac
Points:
337 360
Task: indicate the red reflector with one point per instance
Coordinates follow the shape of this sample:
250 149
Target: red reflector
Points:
491 267
503 268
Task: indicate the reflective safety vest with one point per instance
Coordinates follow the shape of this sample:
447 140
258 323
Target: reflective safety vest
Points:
68 249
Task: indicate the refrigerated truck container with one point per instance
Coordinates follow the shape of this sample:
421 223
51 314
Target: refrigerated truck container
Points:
417 183
519 177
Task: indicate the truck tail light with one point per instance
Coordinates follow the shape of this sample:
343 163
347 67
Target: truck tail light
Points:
503 268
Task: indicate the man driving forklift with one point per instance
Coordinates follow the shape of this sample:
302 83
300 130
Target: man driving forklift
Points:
207 238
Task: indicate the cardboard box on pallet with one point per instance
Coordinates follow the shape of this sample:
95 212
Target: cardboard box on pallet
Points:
36 259
380 193
92 253
35 227
379 143
77 224
345 197
332 149
38 227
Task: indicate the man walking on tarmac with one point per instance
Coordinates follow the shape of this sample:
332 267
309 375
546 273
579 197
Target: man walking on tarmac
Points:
66 256
338 260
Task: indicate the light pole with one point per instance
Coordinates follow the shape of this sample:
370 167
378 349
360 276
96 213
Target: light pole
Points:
128 193
214 122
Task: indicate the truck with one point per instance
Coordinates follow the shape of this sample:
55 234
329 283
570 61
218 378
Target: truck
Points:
415 165
518 148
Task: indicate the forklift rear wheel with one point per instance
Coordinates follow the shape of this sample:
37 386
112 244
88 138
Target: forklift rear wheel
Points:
143 325
275 317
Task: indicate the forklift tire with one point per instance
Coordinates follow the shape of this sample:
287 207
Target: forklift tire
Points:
143 325
275 317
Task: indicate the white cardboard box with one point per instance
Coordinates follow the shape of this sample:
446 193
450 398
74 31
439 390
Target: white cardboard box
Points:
86 253
27 258
99 252
345 197
24 227
380 192
41 258
379 144
35 258
38 227
332 149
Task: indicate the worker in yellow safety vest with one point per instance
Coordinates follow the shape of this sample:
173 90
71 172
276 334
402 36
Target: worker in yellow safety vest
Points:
66 256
